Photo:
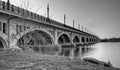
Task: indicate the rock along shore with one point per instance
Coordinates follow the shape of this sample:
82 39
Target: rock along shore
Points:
21 60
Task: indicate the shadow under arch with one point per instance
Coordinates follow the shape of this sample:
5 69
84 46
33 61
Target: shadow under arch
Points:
76 39
83 39
63 38
90 39
3 44
87 40
35 38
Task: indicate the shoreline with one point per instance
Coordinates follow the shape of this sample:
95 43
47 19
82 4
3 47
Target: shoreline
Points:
18 60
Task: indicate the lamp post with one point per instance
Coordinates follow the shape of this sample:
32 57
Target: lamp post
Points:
64 19
48 10
73 23
82 28
79 26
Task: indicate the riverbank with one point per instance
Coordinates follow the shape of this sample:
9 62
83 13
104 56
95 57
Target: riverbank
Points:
21 60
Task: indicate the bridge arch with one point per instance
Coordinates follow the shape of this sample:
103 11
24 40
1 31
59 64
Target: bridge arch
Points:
83 39
35 38
90 39
64 38
76 39
33 29
3 42
87 39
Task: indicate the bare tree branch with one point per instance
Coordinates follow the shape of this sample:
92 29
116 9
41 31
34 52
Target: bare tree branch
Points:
38 9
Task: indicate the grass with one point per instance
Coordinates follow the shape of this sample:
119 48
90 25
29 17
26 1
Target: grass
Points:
21 60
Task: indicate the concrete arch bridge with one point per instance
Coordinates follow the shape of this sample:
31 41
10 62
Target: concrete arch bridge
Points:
20 28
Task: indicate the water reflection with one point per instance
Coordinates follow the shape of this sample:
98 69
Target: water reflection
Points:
77 51
86 49
103 52
81 51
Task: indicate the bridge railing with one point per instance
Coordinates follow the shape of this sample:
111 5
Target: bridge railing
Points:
17 11
26 14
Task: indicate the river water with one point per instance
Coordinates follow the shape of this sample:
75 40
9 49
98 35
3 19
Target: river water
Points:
104 52
101 51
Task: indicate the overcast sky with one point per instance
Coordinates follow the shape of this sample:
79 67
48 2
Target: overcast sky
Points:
99 16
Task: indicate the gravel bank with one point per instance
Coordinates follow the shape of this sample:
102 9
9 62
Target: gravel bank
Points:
20 60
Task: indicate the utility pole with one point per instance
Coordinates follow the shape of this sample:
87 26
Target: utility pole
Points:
47 10
73 23
85 29
64 19
79 26
82 28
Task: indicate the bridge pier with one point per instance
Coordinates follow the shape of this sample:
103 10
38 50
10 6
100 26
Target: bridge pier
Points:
55 38
80 52
72 53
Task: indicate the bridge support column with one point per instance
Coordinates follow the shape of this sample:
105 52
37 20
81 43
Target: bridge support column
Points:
80 52
55 38
72 53
79 40
72 38
60 50
85 41
85 48
1 27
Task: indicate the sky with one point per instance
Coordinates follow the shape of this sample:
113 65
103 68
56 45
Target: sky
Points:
101 17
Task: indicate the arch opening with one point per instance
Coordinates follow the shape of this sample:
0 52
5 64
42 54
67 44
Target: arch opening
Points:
35 38
76 39
2 43
63 39
83 39
90 40
86 39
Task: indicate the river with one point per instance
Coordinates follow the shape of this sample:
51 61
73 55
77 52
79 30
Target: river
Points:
101 51
104 52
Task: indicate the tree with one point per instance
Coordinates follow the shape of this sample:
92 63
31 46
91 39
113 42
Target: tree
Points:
28 6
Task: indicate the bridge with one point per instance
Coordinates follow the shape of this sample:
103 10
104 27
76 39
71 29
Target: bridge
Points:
20 28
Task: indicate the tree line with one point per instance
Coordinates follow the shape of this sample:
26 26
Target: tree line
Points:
114 39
